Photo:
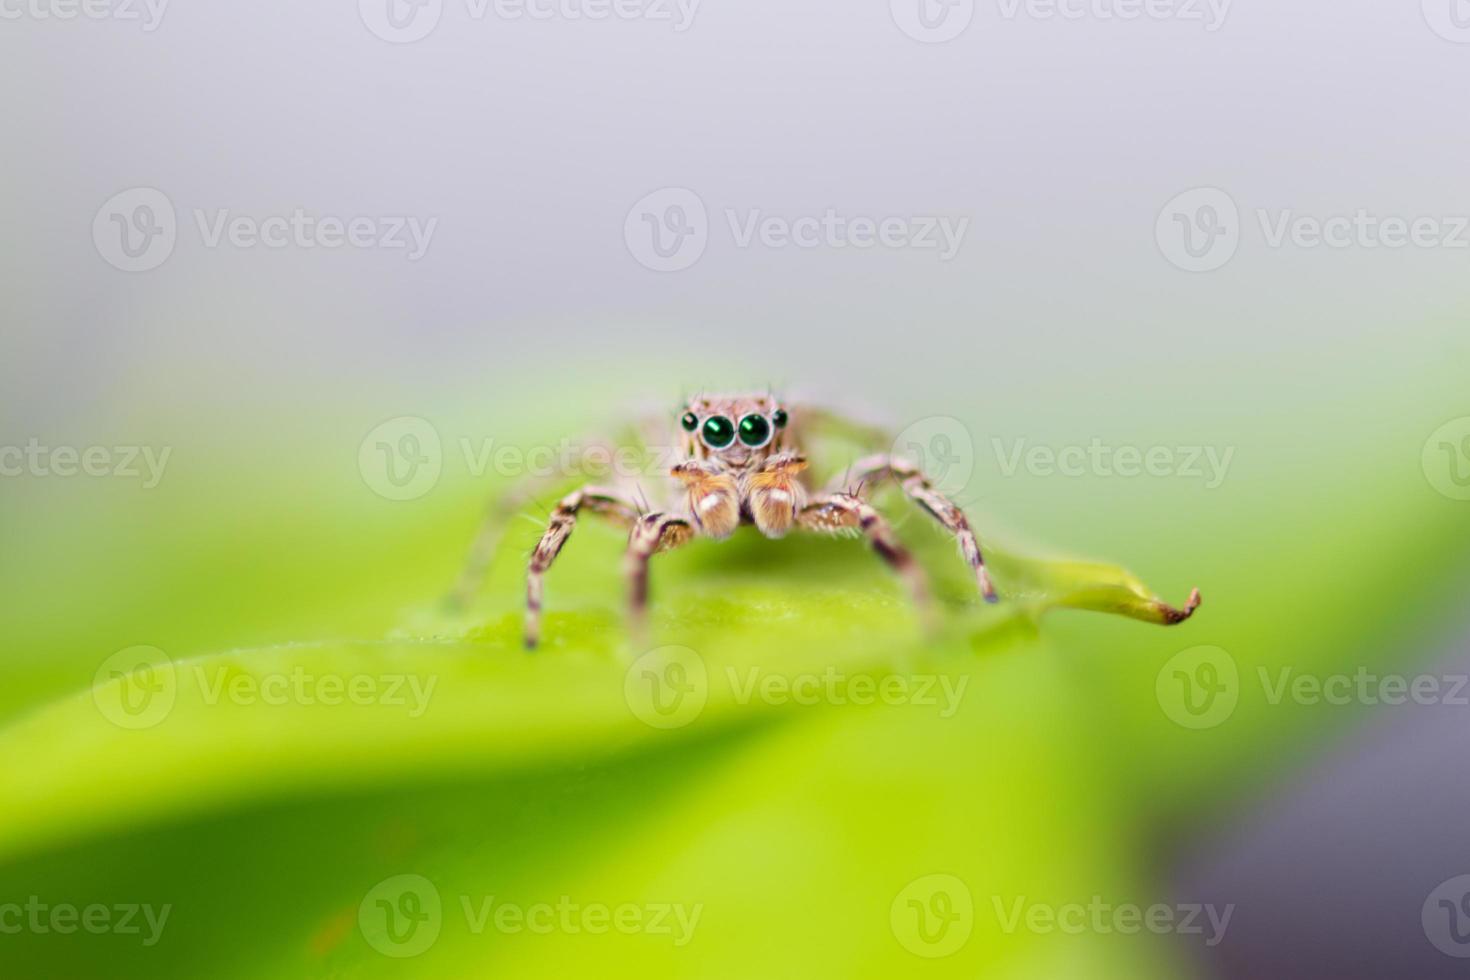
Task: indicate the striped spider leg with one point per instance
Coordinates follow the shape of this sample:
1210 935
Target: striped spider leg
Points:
638 438
918 488
652 534
616 507
737 463
839 512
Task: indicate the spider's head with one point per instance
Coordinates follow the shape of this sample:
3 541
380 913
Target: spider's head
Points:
735 430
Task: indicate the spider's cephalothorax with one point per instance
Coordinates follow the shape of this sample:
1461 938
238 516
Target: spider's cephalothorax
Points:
738 462
738 468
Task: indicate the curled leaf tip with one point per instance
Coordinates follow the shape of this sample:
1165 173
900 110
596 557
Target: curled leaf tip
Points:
1172 615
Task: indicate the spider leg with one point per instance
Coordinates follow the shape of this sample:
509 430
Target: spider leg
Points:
609 503
838 512
499 511
651 534
920 490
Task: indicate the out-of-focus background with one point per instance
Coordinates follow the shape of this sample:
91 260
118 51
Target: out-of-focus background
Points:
289 291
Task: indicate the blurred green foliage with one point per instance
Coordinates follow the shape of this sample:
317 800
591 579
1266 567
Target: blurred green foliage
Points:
796 830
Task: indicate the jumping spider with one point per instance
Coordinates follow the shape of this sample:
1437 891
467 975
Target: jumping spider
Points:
740 463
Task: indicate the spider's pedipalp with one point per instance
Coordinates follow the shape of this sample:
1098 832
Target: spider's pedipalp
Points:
775 494
712 496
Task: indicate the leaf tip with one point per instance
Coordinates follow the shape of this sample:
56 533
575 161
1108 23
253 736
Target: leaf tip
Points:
1173 616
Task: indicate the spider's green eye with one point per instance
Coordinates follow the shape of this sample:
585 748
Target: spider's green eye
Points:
718 432
690 421
755 430
779 418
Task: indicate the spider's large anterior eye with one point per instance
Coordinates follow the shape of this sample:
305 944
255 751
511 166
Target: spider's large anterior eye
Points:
718 432
755 430
690 421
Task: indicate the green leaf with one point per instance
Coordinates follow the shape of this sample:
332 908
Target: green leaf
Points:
1045 584
475 750
447 695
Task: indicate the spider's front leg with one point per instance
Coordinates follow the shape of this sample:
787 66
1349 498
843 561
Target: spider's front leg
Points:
847 512
652 534
613 505
638 438
920 490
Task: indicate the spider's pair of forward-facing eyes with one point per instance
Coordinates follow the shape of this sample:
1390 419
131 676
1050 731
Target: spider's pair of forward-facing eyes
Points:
718 432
